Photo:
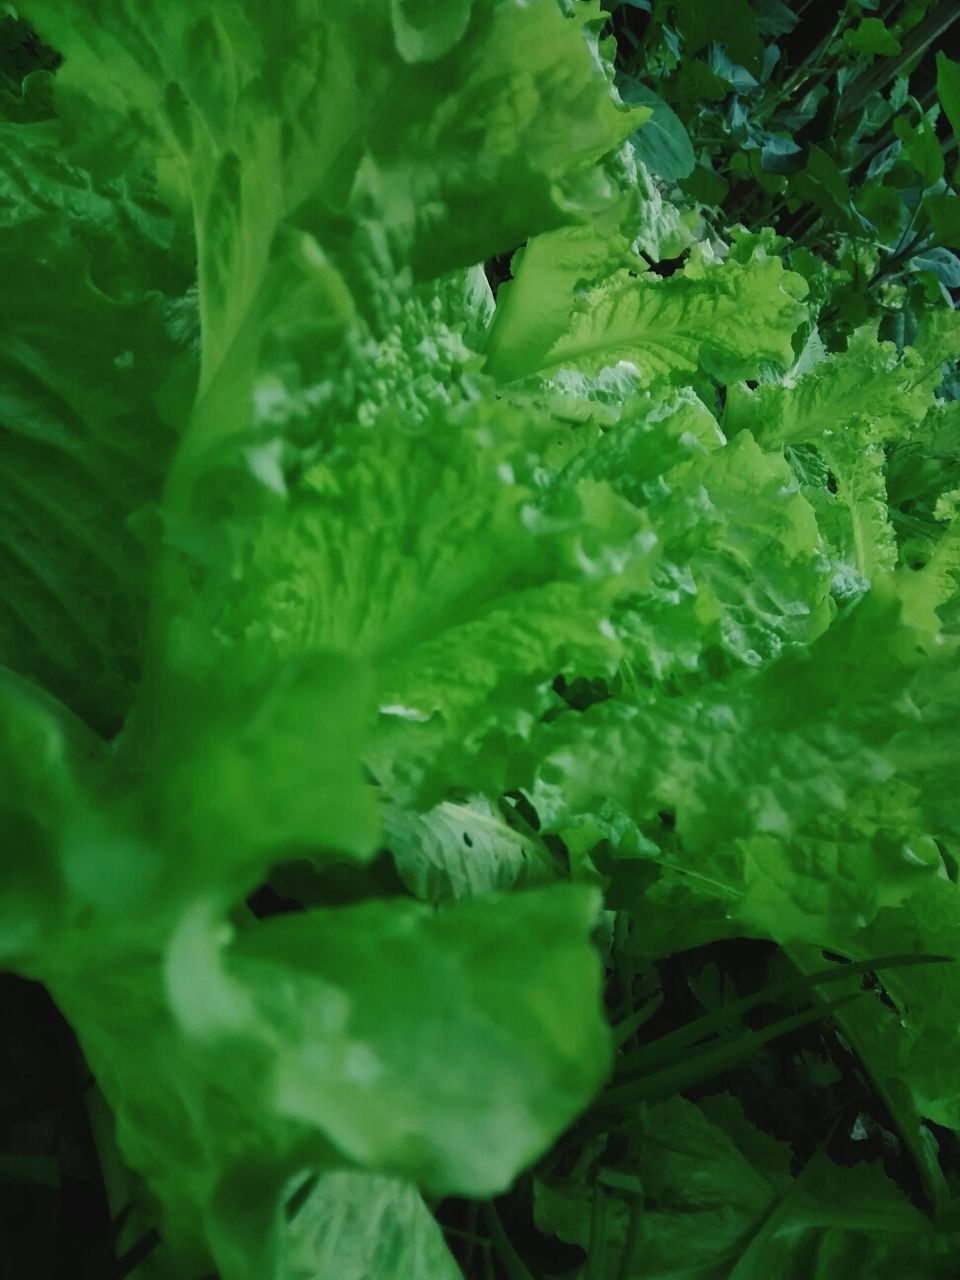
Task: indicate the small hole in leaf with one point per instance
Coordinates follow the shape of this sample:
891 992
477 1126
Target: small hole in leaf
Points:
299 1197
266 902
497 270
667 266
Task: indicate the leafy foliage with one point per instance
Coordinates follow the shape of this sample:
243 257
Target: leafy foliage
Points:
420 679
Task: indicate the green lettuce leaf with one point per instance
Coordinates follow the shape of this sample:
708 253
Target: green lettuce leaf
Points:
314 1041
668 328
318 134
463 850
866 388
358 1225
91 380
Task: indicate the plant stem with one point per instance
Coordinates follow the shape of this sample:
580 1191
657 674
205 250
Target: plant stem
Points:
510 1260
634 1225
597 1244
905 1118
926 33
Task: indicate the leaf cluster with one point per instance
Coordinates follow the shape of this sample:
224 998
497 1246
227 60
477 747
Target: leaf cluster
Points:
476 761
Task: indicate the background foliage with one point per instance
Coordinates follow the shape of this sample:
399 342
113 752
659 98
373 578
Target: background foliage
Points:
479 692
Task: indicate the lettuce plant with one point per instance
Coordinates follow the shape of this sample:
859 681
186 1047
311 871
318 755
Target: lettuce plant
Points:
440 613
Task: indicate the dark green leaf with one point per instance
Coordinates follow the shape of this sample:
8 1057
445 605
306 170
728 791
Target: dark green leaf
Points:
948 90
921 148
944 264
774 18
662 143
872 38
780 154
732 25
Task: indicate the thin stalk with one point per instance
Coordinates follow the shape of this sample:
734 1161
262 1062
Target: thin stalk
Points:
510 1260
488 1269
708 1061
597 1244
893 264
804 224
668 1047
470 1235
629 1026
808 68
459 1234
625 1270
904 1116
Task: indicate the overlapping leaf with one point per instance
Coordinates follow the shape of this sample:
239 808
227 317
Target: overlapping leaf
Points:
87 396
713 1197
